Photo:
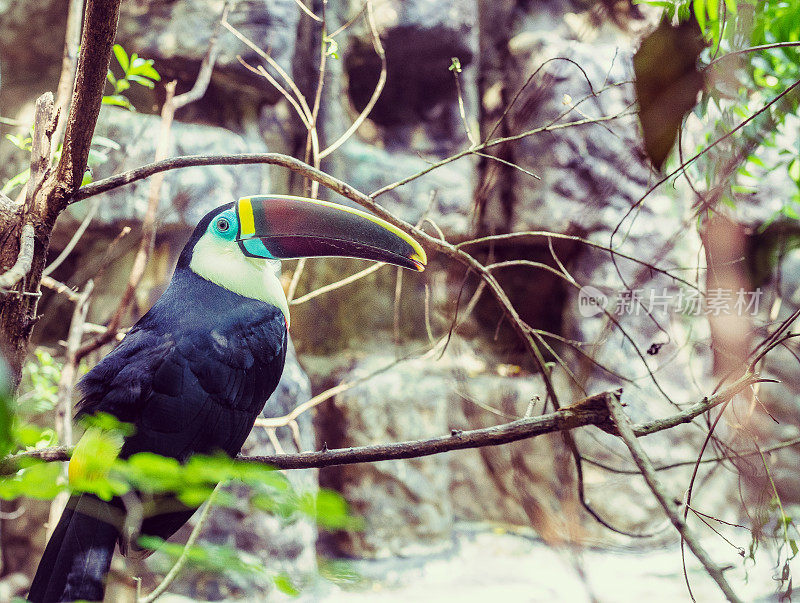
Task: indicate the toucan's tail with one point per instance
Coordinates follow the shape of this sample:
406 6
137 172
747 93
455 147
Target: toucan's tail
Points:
78 556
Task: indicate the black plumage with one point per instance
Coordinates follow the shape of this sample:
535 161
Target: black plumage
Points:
191 376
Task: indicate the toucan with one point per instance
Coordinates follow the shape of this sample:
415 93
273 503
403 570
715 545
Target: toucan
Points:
195 371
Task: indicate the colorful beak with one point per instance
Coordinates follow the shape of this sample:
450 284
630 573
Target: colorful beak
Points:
284 227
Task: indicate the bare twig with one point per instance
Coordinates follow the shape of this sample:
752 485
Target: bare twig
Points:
66 387
60 288
74 240
337 285
69 65
173 572
206 67
667 503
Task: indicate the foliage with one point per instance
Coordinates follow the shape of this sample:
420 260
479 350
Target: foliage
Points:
135 70
96 468
738 87
40 377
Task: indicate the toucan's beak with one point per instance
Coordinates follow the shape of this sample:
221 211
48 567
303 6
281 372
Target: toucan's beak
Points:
284 227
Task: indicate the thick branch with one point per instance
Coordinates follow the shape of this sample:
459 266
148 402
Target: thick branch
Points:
590 411
628 435
24 260
99 29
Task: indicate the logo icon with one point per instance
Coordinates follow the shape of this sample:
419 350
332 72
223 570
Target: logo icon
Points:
591 301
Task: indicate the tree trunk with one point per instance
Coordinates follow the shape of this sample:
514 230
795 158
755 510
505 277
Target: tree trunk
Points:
49 189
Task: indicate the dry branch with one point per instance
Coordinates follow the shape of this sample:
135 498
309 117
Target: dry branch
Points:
590 411
99 29
668 504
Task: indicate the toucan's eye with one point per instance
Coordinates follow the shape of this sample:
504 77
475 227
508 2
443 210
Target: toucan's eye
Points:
223 225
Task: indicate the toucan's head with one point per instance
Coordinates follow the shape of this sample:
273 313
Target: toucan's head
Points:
232 245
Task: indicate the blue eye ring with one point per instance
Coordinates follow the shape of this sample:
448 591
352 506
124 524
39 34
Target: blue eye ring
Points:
225 225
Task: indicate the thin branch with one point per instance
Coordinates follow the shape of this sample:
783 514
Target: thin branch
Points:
60 288
337 285
668 504
492 143
74 240
752 49
307 10
66 387
206 67
173 572
69 65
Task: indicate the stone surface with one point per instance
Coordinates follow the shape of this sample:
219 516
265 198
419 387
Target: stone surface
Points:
176 35
409 506
416 120
187 194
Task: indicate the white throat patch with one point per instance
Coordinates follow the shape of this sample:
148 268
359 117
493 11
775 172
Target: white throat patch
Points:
223 263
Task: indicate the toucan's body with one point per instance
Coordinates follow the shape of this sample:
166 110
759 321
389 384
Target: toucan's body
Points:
194 373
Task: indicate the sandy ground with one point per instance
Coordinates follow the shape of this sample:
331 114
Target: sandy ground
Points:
489 566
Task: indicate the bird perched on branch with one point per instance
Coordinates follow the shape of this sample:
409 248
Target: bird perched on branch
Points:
194 373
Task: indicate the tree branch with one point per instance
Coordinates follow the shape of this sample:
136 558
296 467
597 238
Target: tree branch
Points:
628 435
99 28
589 411
24 260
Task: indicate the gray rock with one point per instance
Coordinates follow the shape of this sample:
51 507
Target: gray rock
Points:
404 504
176 34
20 49
416 119
186 194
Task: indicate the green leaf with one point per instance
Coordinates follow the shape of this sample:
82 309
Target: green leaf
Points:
23 143
40 480
97 157
455 65
331 48
118 100
18 180
713 9
142 81
122 57
122 86
145 69
284 584
699 7
794 170
102 141
731 5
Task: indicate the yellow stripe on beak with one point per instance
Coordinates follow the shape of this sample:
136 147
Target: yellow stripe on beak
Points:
246 221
